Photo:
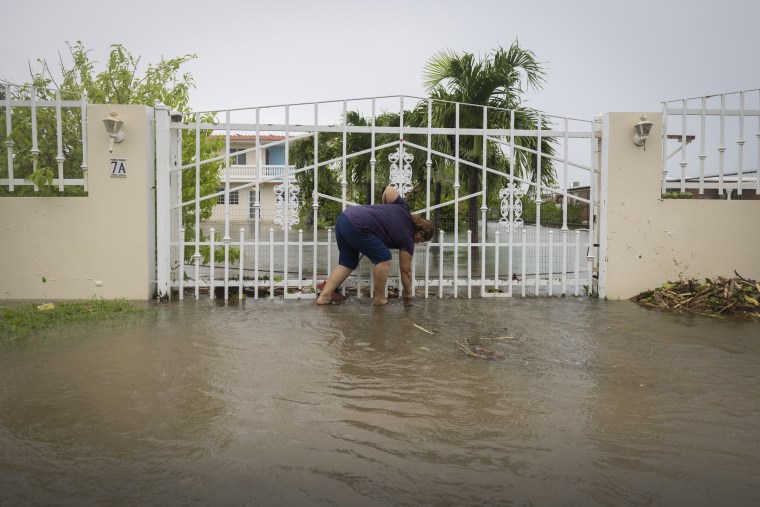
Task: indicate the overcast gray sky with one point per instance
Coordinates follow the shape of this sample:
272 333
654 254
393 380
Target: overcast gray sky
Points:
599 55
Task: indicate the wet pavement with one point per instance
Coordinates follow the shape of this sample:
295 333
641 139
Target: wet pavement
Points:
286 403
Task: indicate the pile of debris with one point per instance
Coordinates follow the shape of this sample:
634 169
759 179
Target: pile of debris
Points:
723 296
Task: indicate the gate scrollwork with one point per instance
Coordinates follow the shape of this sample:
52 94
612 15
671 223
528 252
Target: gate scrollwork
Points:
511 206
286 205
401 174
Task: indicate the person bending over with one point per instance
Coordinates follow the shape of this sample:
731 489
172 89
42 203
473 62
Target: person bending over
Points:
373 230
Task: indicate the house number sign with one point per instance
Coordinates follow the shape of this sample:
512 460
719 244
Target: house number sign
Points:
118 168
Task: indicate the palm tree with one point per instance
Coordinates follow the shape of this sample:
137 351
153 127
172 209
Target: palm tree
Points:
496 81
358 167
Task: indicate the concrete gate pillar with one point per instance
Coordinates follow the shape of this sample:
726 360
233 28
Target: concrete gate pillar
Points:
629 196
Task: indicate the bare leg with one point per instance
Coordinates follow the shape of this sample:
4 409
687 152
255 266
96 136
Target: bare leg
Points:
380 273
337 277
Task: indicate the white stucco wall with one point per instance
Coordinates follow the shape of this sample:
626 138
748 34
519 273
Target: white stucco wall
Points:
102 245
650 240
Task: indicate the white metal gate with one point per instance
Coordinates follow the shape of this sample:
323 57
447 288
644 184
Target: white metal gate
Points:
522 164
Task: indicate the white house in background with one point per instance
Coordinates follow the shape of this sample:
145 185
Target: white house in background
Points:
243 171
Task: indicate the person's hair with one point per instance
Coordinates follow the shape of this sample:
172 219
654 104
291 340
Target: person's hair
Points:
424 225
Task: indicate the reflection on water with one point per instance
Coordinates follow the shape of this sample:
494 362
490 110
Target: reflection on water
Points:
272 403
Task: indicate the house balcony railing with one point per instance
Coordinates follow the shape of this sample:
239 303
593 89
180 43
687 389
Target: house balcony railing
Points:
247 173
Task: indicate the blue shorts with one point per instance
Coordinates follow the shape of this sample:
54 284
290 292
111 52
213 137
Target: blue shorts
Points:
351 244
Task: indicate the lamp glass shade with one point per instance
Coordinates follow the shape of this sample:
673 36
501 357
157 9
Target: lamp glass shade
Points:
113 125
643 128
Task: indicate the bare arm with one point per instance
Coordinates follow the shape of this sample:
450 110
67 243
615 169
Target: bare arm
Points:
405 267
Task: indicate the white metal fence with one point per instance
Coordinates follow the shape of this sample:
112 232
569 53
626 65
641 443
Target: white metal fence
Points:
561 258
291 255
45 134
712 145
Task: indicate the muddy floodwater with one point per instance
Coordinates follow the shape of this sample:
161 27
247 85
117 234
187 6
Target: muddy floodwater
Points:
286 403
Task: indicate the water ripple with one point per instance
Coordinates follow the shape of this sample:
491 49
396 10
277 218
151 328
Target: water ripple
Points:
271 403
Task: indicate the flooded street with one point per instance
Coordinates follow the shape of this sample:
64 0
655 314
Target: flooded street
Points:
286 403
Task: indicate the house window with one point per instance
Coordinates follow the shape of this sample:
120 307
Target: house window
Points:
234 197
237 159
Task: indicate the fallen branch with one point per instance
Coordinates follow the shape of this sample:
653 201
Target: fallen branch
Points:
722 296
477 350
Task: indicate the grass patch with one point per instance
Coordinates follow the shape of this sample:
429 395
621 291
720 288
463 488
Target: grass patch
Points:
18 322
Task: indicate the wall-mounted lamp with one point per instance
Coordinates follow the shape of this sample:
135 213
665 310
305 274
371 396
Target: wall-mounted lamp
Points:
113 127
642 132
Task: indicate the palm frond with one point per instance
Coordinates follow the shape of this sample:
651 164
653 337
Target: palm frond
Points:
438 68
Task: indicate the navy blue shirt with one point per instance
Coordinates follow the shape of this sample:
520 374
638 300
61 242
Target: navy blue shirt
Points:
392 223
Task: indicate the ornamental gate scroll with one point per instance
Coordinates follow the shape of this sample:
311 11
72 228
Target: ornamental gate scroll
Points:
511 207
286 204
401 173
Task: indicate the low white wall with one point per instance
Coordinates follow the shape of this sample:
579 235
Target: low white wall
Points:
102 245
650 240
